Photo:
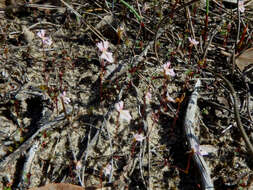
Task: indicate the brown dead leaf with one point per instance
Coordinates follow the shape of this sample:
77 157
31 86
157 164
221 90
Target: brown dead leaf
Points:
58 186
245 59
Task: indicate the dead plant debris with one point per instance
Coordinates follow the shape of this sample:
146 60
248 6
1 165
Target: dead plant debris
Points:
93 94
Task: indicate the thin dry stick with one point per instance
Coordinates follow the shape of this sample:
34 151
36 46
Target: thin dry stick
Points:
248 107
94 30
237 37
147 131
28 143
211 39
191 26
158 32
237 115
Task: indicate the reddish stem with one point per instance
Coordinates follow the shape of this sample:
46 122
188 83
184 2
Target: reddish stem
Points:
242 38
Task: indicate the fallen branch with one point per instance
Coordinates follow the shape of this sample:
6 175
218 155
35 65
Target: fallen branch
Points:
193 142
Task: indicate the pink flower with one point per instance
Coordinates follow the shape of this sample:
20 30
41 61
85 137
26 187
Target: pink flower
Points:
45 40
123 114
241 6
41 33
167 70
103 47
193 41
107 169
65 98
78 165
148 97
139 137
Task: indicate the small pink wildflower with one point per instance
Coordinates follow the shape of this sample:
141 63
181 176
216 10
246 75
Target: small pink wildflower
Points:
167 70
241 6
103 47
107 169
193 41
124 114
139 137
45 40
41 33
78 165
65 98
148 97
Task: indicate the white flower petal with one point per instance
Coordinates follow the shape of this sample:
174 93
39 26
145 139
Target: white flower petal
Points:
107 56
193 41
65 98
167 64
108 169
100 46
125 115
47 41
241 7
106 45
148 96
170 72
139 137
169 98
78 165
41 33
119 106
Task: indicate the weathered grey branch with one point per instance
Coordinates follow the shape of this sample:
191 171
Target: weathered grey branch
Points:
193 142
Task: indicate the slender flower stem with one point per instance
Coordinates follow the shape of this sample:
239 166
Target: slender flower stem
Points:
131 9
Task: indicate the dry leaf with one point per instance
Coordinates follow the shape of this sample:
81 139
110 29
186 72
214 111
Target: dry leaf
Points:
245 59
29 36
58 186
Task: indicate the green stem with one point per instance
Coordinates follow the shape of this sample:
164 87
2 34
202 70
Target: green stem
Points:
131 9
207 7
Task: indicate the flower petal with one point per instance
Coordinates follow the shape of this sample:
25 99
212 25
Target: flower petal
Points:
107 169
119 106
139 137
148 96
125 115
41 33
241 7
106 45
170 72
47 40
169 98
100 46
193 41
107 56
